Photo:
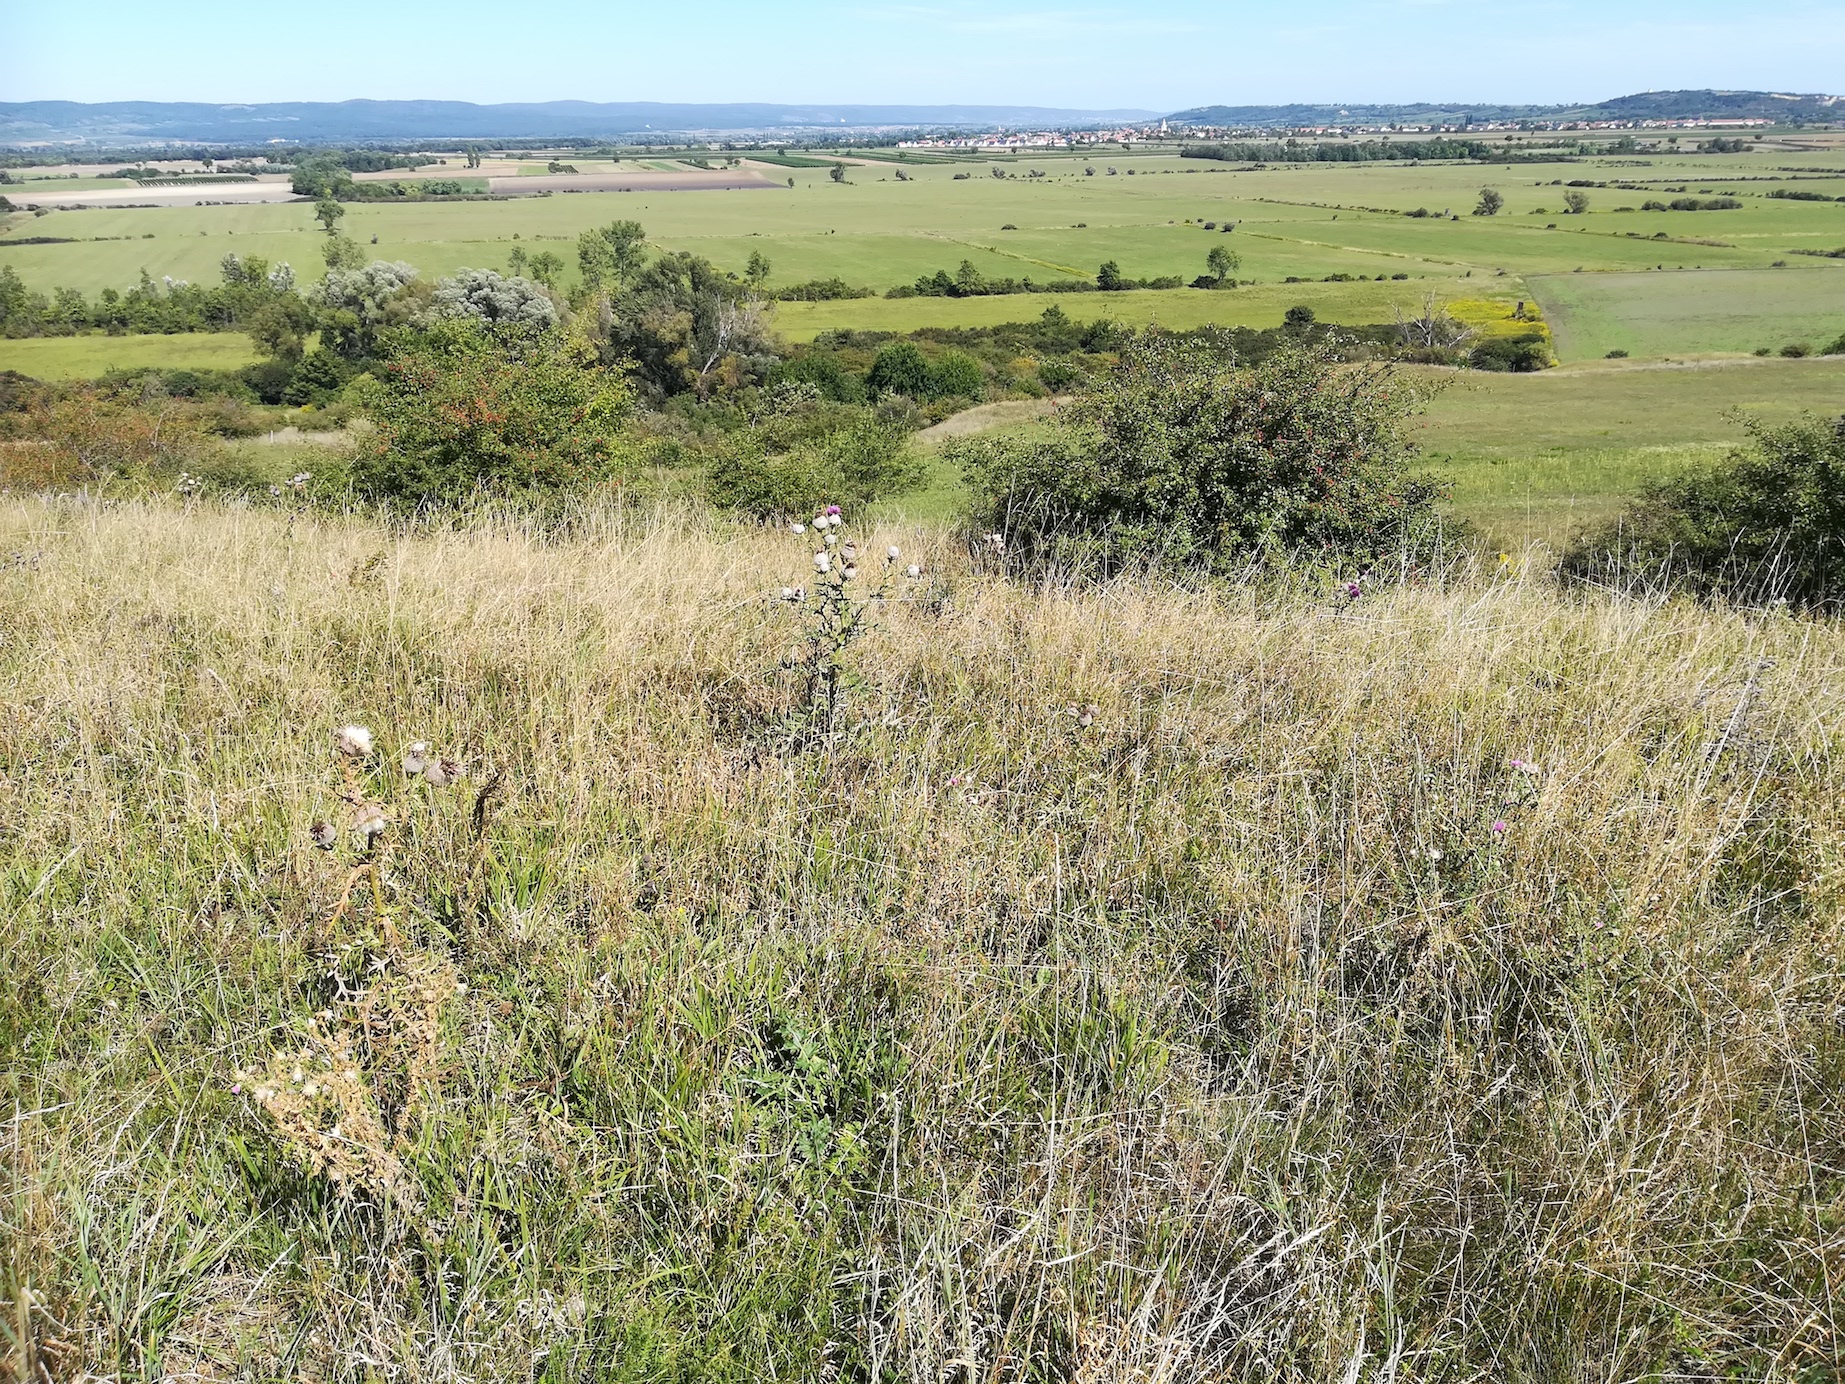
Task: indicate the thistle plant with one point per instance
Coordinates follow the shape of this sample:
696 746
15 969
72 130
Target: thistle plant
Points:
839 615
344 1093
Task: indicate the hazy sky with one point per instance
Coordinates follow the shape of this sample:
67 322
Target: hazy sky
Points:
1161 56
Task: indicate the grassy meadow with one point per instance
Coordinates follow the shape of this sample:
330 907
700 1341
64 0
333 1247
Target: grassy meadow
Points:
87 356
1271 1021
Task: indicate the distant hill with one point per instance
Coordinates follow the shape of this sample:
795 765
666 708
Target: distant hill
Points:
1651 105
146 122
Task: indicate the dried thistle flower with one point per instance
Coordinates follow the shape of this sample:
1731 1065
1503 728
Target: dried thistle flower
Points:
354 742
324 834
441 773
912 571
416 759
368 820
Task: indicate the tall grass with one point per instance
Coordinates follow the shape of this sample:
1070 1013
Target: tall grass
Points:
1274 1025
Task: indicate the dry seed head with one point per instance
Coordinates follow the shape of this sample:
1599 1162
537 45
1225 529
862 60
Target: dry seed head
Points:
369 821
912 571
324 834
441 773
354 742
416 759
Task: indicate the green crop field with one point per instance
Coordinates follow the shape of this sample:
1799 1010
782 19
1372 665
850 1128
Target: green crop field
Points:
81 357
1681 314
1259 305
1305 222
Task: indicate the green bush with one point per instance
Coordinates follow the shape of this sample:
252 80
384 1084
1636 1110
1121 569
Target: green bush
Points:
900 368
956 375
811 454
1184 458
462 412
1769 522
1519 354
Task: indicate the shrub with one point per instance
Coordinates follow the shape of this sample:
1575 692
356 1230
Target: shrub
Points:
1768 522
822 370
463 412
956 375
1519 354
809 455
83 435
1184 458
900 368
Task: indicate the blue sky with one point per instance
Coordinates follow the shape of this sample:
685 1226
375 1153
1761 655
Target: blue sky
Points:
1162 56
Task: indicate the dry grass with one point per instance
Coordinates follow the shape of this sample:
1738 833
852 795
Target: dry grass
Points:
983 1045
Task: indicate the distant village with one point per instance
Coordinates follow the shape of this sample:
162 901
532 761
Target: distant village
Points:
1073 139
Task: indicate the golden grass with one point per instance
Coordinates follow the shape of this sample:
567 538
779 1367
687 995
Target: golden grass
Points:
981 1045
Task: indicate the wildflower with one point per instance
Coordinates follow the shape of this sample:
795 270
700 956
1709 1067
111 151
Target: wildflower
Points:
893 553
848 572
416 759
850 552
324 835
787 593
820 522
368 820
832 539
832 512
354 742
1500 828
1353 591
441 773
798 528
912 571
823 563
1086 715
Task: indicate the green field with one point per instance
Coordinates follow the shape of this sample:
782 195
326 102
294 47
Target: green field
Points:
82 357
1259 305
1291 222
1655 315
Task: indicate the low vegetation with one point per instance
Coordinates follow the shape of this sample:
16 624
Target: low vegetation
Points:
1767 524
1133 983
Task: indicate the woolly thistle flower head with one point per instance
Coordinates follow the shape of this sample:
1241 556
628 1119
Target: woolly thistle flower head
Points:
892 553
823 563
832 539
440 773
369 821
850 552
912 571
832 512
416 758
354 742
797 528
848 572
324 835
